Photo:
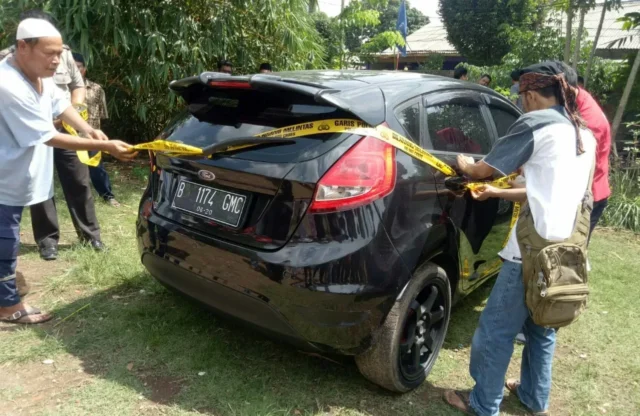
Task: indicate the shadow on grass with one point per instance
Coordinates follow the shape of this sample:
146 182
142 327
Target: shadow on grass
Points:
465 316
172 351
33 248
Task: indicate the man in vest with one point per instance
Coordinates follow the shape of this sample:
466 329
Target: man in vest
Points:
556 154
73 175
29 101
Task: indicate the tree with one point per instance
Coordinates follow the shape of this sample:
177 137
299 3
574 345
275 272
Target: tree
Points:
329 31
570 9
606 6
576 53
388 16
631 22
136 47
478 29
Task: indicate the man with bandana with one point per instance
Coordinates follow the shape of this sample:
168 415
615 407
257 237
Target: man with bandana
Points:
555 152
29 101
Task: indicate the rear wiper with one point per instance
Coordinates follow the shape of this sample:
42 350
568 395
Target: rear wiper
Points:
228 145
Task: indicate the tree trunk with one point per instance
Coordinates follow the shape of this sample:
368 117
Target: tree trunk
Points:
623 103
576 54
567 45
595 44
342 47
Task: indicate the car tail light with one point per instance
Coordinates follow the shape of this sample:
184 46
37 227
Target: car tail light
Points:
230 84
365 173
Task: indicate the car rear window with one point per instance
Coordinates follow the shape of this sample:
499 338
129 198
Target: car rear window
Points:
217 115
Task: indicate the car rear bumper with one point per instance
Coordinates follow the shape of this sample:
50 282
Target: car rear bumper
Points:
334 304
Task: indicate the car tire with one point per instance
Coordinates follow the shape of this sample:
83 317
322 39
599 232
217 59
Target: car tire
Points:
390 361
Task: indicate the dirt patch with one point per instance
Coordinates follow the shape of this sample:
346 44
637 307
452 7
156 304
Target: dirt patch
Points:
161 389
36 272
26 388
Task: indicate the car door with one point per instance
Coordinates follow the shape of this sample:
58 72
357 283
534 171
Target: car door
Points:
412 218
460 122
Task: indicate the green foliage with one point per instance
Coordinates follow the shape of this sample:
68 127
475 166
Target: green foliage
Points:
623 210
529 47
136 47
329 31
378 43
432 63
480 29
504 91
387 17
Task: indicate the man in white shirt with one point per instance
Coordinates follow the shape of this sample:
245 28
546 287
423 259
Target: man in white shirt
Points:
555 152
29 101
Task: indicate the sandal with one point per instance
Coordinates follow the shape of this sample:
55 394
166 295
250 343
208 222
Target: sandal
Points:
512 385
19 317
460 401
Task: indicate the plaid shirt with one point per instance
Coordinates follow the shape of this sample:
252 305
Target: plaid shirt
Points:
96 104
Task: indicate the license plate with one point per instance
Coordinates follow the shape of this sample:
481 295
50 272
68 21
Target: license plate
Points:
211 203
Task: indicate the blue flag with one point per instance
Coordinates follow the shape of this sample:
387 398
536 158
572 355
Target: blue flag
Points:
401 26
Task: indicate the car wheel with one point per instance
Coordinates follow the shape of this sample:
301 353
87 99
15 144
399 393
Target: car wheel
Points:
407 344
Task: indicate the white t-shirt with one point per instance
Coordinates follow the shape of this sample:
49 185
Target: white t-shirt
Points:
544 144
26 123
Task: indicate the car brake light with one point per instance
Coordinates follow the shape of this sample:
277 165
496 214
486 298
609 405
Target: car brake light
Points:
365 173
230 84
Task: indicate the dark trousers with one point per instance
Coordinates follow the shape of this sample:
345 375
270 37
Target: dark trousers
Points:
74 178
596 213
100 180
10 217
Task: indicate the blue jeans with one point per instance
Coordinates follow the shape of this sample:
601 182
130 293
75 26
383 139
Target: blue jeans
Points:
100 180
505 315
9 245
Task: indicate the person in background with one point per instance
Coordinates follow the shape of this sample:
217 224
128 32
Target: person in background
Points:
461 73
97 108
581 81
515 88
265 68
73 175
556 154
225 67
597 122
485 80
29 101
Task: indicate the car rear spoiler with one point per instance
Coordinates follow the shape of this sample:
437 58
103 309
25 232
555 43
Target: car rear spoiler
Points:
320 93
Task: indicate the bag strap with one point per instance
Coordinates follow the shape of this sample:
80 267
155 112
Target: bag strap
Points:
527 215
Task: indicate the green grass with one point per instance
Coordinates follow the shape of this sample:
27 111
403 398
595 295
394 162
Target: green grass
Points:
138 349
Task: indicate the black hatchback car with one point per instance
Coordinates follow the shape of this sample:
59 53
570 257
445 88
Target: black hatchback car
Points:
336 242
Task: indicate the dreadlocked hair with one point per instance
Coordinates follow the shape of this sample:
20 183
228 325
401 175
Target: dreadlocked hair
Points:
556 86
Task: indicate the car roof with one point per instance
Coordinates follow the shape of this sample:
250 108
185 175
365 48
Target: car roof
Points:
396 85
367 94
347 79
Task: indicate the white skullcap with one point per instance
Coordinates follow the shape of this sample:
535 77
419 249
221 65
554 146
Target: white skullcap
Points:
36 28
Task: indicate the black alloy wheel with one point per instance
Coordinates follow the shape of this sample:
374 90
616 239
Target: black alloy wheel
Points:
406 346
423 329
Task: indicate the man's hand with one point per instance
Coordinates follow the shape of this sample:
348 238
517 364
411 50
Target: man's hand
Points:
464 162
97 135
121 150
518 182
484 192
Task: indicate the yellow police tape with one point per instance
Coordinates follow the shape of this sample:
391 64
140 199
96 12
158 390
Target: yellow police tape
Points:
343 126
83 155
